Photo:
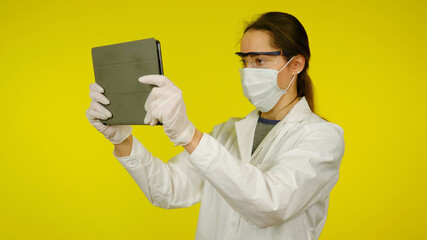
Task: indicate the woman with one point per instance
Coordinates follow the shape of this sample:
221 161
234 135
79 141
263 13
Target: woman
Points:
266 176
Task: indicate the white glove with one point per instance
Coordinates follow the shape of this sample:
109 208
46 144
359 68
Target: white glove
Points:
115 133
165 104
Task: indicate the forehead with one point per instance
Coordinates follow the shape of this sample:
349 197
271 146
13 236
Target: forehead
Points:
256 41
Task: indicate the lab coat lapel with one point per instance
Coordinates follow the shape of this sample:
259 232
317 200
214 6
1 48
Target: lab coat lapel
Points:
300 111
245 130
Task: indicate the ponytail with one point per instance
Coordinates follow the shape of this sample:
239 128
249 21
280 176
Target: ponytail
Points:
305 88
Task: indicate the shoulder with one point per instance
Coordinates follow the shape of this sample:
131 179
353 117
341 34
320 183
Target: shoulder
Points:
318 131
314 122
303 120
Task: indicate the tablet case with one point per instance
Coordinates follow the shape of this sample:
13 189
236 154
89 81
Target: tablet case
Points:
117 68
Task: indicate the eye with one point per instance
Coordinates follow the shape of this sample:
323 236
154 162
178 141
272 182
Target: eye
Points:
259 61
243 61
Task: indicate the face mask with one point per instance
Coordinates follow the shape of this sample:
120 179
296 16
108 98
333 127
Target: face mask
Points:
260 86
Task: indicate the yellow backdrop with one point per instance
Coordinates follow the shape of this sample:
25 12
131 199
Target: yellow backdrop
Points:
59 179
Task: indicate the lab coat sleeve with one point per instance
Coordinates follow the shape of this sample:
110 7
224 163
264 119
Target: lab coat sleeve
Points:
175 184
299 178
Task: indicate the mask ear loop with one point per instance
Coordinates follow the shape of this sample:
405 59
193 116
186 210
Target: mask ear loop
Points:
289 84
286 64
285 91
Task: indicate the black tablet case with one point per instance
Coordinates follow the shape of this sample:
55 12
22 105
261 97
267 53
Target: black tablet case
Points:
117 68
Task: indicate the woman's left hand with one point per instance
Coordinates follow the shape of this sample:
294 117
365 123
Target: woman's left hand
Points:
166 105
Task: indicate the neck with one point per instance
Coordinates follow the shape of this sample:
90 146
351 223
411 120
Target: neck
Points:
282 108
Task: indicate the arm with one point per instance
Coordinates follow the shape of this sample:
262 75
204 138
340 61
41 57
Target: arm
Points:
124 148
167 185
300 178
193 144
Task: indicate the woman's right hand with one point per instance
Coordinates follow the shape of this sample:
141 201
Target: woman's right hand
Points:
115 133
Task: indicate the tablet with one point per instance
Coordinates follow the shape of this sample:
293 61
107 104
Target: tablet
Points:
117 68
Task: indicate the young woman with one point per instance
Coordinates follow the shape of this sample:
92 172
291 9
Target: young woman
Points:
265 176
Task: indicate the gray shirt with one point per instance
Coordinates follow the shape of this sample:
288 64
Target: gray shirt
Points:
263 127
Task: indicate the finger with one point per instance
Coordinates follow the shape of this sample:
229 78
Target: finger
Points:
96 106
150 120
90 115
157 80
95 115
147 104
147 107
99 125
161 108
156 116
99 97
96 87
154 121
147 118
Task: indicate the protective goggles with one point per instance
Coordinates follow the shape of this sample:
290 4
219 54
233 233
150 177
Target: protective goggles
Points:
260 59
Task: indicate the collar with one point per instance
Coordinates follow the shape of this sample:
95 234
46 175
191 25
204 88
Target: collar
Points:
245 128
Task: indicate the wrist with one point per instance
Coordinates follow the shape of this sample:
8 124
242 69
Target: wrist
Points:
194 142
124 148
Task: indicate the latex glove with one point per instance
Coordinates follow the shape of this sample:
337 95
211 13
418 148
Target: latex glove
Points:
165 104
115 133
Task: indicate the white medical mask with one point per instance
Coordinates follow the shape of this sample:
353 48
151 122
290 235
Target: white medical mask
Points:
260 86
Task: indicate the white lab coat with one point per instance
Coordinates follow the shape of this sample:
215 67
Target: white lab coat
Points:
279 192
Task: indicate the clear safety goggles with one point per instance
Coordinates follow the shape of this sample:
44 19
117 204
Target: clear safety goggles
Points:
260 59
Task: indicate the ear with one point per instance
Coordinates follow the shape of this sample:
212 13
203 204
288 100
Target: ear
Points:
297 64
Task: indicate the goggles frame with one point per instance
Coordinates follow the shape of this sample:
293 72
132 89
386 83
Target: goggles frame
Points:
274 53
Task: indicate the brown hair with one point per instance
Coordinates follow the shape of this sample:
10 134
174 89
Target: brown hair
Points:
289 36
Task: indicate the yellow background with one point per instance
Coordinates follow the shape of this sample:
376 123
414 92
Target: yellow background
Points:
59 179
